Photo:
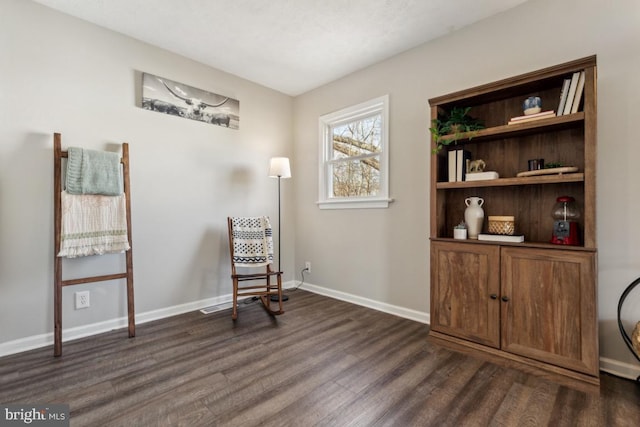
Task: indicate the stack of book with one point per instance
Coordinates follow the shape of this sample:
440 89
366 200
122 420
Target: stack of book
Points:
517 238
570 98
481 176
457 164
532 117
571 94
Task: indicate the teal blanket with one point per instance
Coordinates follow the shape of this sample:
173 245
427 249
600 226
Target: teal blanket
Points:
93 172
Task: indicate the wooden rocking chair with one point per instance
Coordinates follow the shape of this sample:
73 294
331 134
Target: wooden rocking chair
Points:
251 247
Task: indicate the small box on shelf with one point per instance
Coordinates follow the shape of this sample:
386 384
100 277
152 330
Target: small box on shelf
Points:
505 225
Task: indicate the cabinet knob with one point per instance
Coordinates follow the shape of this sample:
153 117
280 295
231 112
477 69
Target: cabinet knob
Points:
505 299
493 296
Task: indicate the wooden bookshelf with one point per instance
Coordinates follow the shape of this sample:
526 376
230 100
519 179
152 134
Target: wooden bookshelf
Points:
522 297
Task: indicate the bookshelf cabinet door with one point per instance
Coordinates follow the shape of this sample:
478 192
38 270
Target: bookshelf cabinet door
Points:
464 291
548 307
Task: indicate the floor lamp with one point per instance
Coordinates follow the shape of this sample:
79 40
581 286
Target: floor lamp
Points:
279 168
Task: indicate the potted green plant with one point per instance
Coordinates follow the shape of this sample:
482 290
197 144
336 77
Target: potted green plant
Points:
455 124
460 231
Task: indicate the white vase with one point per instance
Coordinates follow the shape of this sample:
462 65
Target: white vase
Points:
474 216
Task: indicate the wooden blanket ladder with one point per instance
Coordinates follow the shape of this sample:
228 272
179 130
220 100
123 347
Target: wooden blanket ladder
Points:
59 283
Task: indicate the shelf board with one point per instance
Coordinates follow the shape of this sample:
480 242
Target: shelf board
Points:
508 131
525 244
504 182
515 86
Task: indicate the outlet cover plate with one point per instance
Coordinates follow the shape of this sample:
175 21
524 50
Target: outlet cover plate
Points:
82 300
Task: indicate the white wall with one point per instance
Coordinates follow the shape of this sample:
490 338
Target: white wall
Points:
383 254
60 74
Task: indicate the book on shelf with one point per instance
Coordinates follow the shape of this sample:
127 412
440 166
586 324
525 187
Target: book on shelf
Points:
564 92
481 176
462 159
572 92
532 117
578 96
451 165
540 114
516 238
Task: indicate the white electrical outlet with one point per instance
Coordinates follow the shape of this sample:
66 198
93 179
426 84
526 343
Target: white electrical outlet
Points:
307 266
82 300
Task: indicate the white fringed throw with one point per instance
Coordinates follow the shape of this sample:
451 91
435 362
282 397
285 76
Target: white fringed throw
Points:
93 225
252 242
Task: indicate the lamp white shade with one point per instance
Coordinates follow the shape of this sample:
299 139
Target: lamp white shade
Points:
279 167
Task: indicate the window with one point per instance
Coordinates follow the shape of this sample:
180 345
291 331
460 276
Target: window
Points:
354 167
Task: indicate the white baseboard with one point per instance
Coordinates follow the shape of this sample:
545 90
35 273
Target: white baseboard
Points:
619 369
69 334
406 313
611 366
43 340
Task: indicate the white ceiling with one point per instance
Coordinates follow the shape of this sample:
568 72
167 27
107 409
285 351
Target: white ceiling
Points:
292 46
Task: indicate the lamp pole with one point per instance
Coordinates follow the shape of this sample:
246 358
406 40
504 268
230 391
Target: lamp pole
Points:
279 227
279 168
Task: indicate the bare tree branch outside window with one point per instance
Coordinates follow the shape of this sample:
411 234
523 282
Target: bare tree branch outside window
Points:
356 157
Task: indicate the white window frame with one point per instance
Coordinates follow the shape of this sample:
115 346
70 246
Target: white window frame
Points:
328 201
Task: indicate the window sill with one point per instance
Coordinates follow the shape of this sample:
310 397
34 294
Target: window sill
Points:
355 204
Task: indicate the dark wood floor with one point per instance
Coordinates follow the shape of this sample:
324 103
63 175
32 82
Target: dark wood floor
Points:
324 362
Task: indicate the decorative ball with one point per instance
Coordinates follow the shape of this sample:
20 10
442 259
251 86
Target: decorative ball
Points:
532 105
635 338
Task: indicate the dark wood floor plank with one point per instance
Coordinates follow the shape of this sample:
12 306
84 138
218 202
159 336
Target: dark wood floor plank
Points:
514 405
438 389
316 404
323 363
477 400
158 405
133 394
276 396
619 401
414 407
382 398
540 404
372 368
482 406
62 380
572 408
276 379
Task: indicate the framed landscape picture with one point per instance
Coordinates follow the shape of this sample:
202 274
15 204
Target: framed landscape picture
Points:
178 99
